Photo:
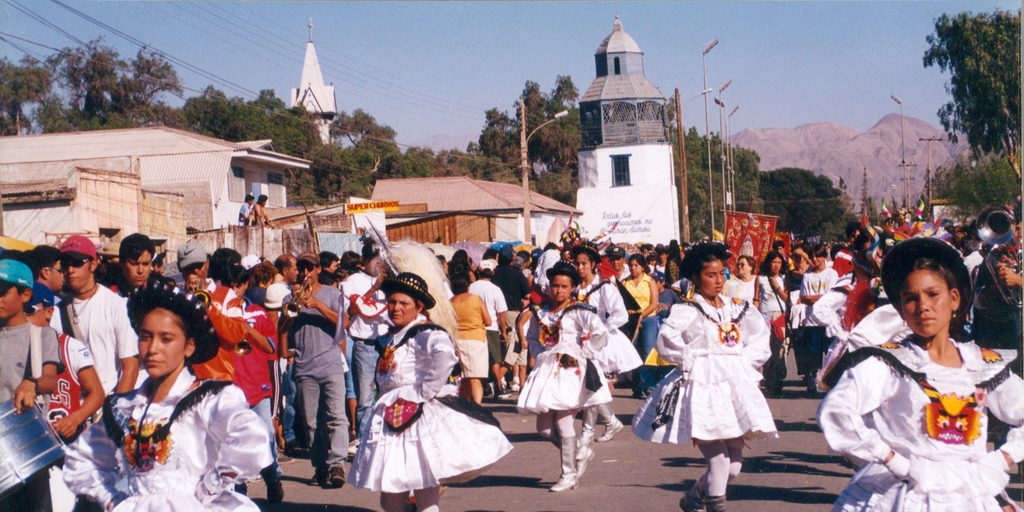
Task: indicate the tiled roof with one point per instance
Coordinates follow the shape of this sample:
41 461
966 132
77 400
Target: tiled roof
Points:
614 87
461 193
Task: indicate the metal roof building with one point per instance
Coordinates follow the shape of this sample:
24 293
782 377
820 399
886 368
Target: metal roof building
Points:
501 202
212 175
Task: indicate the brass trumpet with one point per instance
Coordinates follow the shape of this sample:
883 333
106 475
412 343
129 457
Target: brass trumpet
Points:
298 299
242 348
995 227
204 299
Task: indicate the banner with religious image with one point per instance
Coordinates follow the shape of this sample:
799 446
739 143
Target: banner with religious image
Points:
749 234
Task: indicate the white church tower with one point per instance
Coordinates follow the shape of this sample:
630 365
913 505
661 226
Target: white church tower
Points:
625 162
316 97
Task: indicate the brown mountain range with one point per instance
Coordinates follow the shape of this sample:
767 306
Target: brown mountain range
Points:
836 151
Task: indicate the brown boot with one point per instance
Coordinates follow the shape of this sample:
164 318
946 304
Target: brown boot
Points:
693 501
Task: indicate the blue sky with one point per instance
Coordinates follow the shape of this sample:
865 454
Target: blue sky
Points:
433 68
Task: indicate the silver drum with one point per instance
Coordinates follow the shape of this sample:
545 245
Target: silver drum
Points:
28 445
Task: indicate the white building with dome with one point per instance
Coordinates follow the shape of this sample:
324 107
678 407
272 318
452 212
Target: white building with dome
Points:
626 173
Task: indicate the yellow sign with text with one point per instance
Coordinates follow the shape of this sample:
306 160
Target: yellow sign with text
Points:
373 206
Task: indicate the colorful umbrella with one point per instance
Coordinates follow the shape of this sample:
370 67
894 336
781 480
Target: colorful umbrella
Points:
7 243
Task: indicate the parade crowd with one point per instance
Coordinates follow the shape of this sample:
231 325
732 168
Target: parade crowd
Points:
172 394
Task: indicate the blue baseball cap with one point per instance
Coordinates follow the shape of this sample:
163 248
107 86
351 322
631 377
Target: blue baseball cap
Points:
658 276
15 272
41 294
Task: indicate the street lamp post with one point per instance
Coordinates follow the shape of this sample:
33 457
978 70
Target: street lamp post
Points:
721 146
684 193
732 172
903 144
707 130
525 164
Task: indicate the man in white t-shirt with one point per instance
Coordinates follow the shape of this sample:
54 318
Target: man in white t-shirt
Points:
368 321
811 342
97 316
494 301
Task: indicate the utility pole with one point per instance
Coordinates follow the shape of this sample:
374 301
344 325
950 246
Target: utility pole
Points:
527 235
907 178
928 170
707 132
684 195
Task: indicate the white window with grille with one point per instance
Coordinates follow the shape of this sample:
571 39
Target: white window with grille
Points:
236 184
277 196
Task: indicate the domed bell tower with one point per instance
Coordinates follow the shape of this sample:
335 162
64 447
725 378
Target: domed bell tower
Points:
627 180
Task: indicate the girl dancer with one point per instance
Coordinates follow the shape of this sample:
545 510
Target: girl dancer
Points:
927 396
419 434
183 443
712 397
619 355
565 335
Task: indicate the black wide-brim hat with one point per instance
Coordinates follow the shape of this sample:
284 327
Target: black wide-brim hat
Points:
411 285
899 263
587 247
564 269
194 318
693 263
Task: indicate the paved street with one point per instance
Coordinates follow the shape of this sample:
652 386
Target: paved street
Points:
794 473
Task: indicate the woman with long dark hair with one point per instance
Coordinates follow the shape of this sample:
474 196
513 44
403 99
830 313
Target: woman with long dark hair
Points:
928 397
712 397
182 443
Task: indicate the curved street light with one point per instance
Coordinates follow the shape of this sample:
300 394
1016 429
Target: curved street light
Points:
707 130
525 164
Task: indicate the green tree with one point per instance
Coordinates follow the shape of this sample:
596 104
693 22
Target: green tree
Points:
971 184
20 86
102 91
805 204
552 151
982 53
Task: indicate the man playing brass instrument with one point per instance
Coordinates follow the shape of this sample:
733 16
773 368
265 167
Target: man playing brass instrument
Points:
225 310
316 341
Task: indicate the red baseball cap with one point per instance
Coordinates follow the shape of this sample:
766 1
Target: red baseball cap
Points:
79 245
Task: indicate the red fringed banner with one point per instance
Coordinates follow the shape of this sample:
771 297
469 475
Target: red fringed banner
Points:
749 234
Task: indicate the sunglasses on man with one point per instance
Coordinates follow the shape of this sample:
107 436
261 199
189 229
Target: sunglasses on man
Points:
71 260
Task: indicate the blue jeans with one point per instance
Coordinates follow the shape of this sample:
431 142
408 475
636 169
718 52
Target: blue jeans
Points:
328 392
364 366
646 340
288 415
263 410
350 386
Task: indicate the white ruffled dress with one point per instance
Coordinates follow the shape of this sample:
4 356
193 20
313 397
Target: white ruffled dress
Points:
556 382
619 355
944 435
713 393
217 436
443 445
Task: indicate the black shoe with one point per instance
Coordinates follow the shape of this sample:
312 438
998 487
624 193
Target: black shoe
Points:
319 478
275 492
290 447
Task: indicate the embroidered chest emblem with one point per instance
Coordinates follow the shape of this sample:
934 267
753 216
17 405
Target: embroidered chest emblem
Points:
728 334
950 418
144 450
890 345
549 335
387 361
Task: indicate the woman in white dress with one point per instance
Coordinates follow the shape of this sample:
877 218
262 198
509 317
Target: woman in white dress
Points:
927 395
181 443
565 335
420 434
712 398
618 355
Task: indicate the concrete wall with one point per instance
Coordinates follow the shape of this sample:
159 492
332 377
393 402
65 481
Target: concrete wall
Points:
162 216
107 200
32 222
646 211
266 242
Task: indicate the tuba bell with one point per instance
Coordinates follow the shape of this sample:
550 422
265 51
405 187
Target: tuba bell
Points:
995 227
